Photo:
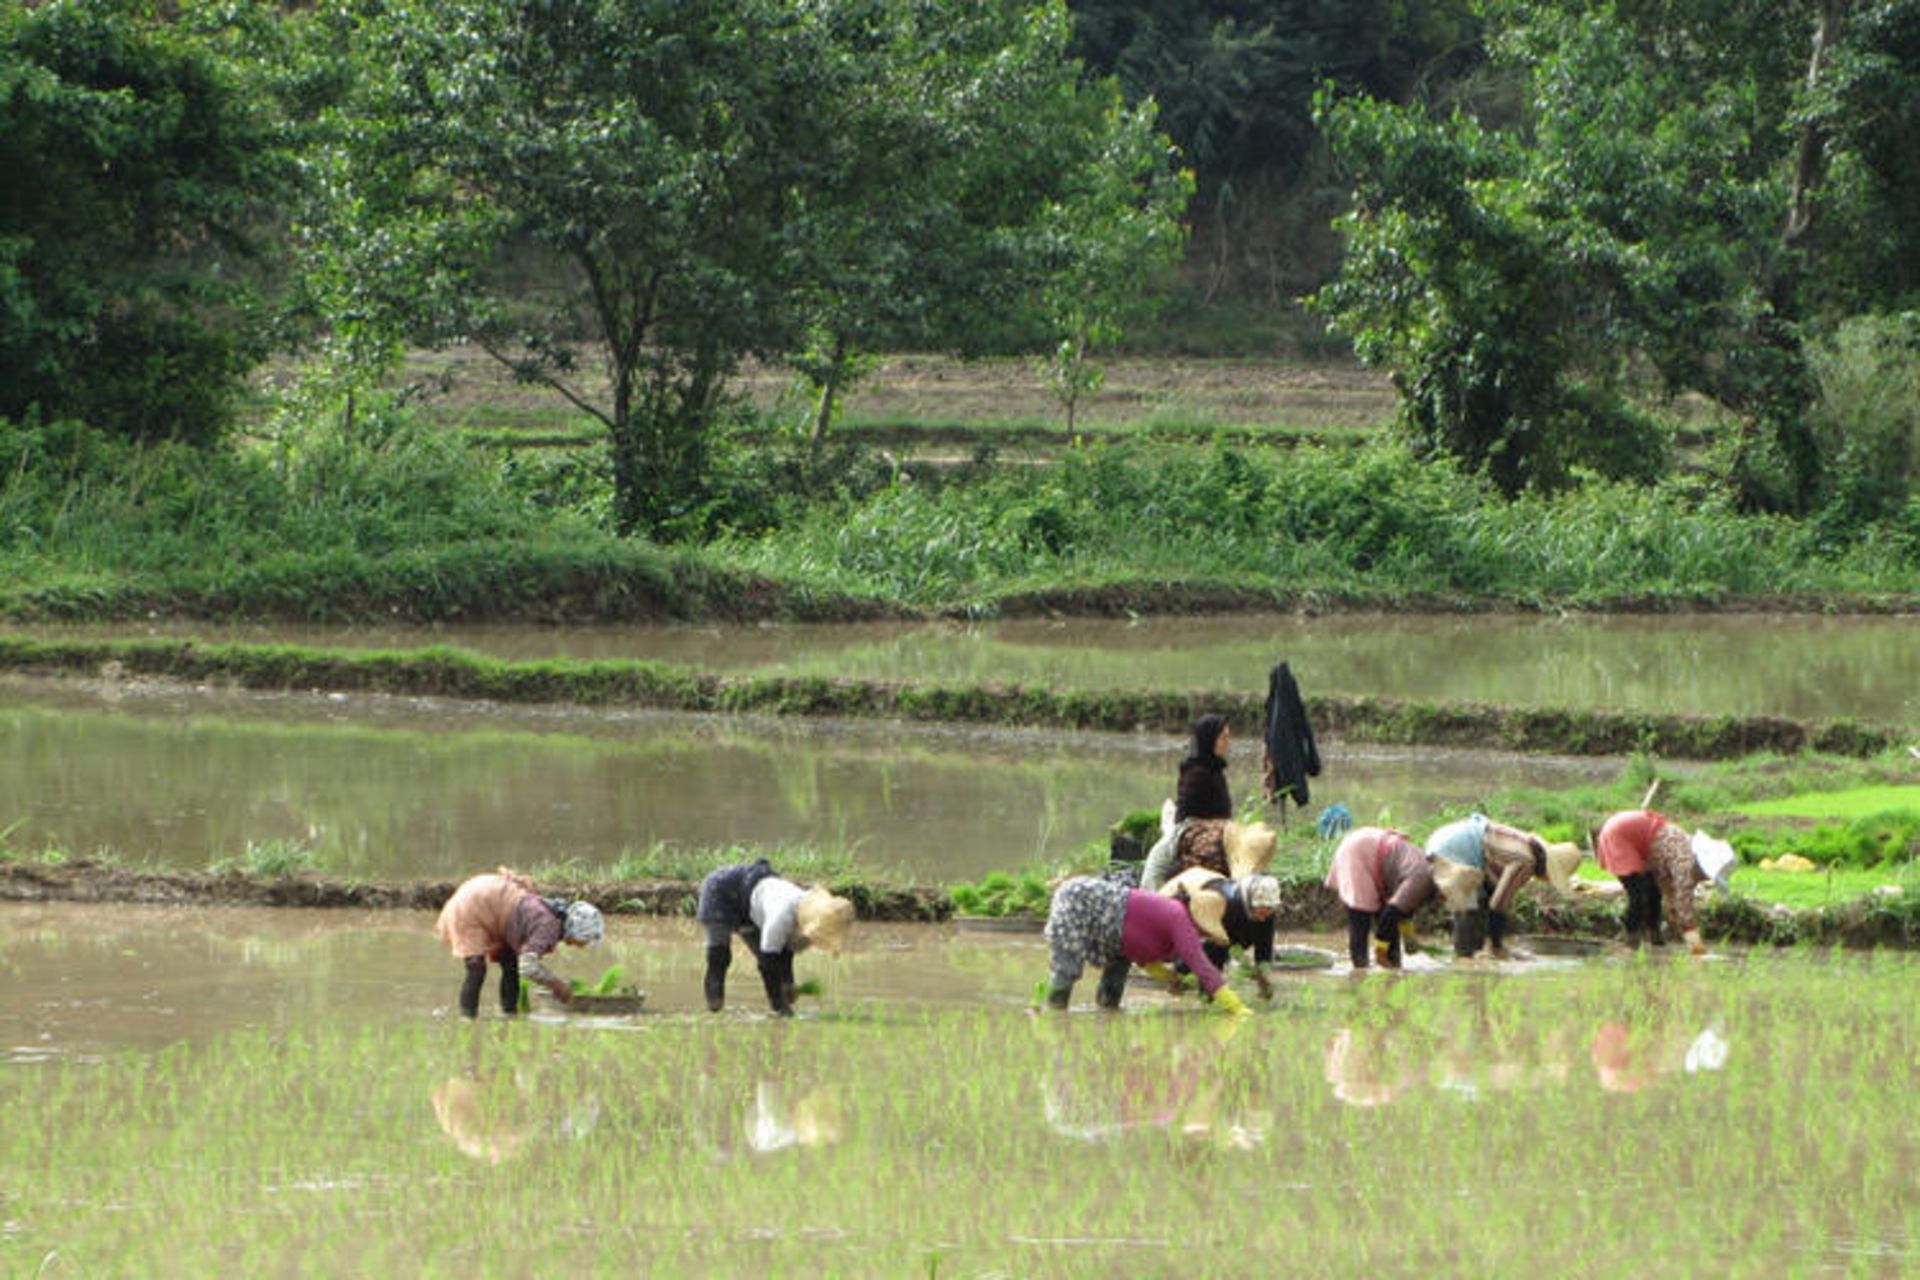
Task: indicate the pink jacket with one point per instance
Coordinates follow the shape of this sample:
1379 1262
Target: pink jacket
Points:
1374 866
1627 839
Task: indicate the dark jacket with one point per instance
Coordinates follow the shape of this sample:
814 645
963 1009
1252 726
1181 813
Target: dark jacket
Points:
1291 757
726 895
1202 792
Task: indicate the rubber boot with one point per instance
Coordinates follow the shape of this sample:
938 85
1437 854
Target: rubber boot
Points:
1497 935
718 958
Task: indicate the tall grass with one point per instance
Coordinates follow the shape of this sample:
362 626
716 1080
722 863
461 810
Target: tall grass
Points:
1348 523
405 521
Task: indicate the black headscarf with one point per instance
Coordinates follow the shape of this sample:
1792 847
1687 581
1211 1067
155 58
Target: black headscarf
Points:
1206 735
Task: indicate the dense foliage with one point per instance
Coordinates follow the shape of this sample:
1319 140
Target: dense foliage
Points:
1695 194
135 169
1563 215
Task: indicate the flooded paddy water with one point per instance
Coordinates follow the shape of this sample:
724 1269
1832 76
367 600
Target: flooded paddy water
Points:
222 1091
398 787
1802 667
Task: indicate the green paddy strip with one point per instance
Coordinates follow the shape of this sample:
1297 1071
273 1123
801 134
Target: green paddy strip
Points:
455 673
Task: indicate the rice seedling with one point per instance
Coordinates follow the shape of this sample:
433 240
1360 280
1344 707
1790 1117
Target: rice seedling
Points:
1574 1120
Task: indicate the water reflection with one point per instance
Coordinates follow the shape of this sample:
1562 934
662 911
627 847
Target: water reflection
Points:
484 1120
1182 1085
384 787
1375 1065
782 1116
1799 666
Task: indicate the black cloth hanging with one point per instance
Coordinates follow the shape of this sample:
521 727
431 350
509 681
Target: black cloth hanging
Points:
1290 756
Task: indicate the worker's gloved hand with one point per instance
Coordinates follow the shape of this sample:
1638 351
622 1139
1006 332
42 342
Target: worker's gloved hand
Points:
1228 1002
1695 943
1409 941
562 991
1174 982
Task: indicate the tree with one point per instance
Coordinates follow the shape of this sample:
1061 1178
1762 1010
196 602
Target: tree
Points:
136 169
1661 207
994 199
701 184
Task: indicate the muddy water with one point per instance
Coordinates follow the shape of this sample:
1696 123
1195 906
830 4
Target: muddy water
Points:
1801 667
386 787
224 1092
82 981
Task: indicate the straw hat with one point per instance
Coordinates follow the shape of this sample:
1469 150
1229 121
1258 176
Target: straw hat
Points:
1459 883
1208 908
1249 847
1562 858
823 919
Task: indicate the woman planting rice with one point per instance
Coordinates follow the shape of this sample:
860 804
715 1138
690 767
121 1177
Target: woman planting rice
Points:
775 917
1383 878
1229 914
1656 861
499 917
1101 922
1481 865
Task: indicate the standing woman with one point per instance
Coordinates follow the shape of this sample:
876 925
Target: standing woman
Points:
775 917
1383 879
1202 808
499 917
1101 922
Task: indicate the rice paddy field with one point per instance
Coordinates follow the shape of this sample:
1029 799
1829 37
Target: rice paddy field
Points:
270 1094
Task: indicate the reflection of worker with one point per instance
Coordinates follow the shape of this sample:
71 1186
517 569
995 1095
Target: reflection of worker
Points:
1173 1086
1627 1060
1231 913
775 917
499 917
1105 923
1383 879
1655 861
474 1121
1363 1070
1481 865
774 1124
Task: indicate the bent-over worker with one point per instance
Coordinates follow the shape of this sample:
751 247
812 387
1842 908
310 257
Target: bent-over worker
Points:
1231 913
1655 860
1383 879
1102 922
499 917
775 917
1480 865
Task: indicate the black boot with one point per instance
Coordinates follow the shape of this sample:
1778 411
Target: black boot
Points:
1497 935
718 958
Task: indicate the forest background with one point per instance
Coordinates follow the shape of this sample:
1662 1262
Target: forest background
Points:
1641 277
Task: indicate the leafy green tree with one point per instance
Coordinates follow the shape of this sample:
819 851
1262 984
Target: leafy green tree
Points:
696 185
1664 206
135 170
993 198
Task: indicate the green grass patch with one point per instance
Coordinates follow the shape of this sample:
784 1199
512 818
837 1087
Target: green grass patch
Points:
1854 802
